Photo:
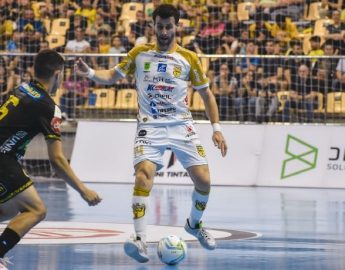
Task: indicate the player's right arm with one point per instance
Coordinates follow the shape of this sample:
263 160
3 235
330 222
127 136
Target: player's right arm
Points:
64 170
106 76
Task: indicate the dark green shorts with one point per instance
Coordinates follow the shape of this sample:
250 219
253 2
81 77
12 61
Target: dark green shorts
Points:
13 179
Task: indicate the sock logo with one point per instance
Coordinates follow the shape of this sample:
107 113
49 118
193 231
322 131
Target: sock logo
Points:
138 210
201 206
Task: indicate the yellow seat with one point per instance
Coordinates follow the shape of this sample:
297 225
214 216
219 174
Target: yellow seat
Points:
320 108
320 27
47 24
55 41
60 26
105 98
243 10
335 102
36 6
282 96
187 39
315 10
197 102
127 99
129 11
184 23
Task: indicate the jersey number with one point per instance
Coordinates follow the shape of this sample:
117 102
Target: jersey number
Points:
4 110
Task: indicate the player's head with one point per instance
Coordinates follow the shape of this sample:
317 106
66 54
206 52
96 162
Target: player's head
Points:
48 68
165 19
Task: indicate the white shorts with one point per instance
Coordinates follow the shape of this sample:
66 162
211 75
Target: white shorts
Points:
151 142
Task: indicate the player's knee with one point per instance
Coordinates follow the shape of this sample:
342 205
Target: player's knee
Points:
143 180
40 212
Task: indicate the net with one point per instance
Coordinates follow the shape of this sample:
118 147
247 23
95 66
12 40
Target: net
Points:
265 64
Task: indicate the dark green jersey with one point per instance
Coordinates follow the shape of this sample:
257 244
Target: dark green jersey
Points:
28 111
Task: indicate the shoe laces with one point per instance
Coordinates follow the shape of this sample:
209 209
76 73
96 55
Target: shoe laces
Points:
204 233
5 261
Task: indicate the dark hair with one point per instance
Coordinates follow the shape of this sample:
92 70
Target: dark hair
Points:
315 39
46 63
166 11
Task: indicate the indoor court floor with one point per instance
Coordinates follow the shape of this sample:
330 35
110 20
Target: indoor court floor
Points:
257 228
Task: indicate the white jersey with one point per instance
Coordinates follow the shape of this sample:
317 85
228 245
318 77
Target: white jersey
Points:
162 82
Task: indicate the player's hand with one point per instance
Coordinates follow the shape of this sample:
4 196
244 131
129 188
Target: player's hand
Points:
81 68
91 197
220 142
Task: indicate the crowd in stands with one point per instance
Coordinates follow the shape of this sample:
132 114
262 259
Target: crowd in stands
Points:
247 87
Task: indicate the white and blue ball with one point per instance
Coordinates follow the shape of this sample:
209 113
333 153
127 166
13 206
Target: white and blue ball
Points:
171 249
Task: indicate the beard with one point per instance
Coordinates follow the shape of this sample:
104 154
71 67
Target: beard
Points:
164 42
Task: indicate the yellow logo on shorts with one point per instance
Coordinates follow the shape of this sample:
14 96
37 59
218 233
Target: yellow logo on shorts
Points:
201 150
3 190
138 150
138 210
177 71
200 205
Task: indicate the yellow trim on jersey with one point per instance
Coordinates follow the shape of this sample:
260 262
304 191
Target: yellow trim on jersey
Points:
196 74
127 65
53 137
17 191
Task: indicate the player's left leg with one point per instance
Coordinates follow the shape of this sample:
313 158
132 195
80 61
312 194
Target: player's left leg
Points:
201 178
192 156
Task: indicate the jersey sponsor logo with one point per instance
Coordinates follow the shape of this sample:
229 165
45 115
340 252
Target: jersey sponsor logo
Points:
147 66
153 107
162 56
26 88
201 150
164 96
55 125
197 76
177 71
162 67
142 133
157 79
167 110
190 131
142 141
160 87
138 151
8 145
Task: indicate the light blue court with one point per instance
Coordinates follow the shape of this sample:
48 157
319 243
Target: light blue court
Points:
300 229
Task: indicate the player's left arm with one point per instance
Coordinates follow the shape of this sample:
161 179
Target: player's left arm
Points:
212 114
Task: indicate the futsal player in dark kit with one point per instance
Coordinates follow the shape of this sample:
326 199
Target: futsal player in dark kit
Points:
27 112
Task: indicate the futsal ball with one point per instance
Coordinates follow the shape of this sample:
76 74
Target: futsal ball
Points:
171 249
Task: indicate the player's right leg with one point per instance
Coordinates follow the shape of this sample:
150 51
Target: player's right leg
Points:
136 247
19 201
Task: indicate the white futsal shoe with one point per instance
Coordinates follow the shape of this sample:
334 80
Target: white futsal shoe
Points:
136 249
205 238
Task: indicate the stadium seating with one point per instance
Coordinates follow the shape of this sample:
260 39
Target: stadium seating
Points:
126 99
335 103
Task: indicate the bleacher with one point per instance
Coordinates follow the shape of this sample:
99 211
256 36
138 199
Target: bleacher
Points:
212 27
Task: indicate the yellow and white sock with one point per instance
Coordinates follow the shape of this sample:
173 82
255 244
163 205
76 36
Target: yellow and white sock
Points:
139 206
199 202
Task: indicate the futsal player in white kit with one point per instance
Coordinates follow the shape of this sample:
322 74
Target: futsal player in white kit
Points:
162 71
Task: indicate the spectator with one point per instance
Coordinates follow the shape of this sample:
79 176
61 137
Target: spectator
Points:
270 71
116 47
329 65
103 48
223 88
292 64
93 30
86 10
339 84
216 62
138 28
107 9
302 95
247 63
336 31
284 29
78 45
6 30
148 36
76 93
210 35
11 10
29 19
315 44
75 21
